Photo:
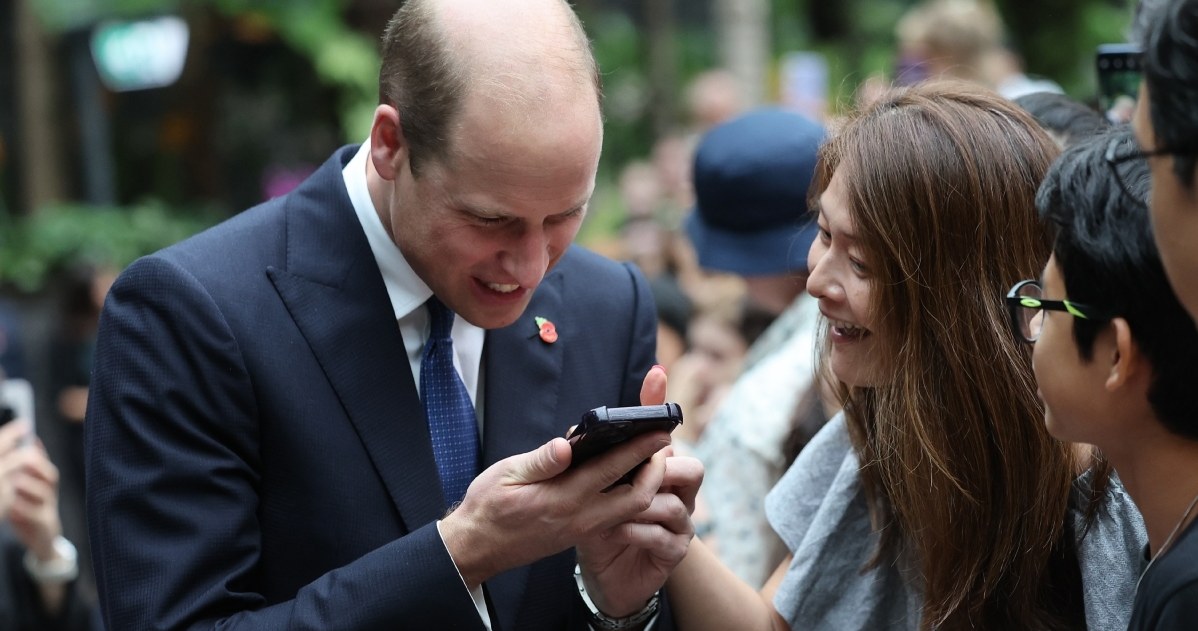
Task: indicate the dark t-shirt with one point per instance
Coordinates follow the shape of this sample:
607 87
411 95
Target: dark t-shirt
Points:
1167 599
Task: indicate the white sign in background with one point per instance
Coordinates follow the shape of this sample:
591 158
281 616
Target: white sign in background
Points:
142 54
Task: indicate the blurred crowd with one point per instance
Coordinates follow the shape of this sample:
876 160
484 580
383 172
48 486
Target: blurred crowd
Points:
717 216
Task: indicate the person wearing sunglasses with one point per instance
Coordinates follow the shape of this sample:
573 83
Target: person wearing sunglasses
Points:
1115 358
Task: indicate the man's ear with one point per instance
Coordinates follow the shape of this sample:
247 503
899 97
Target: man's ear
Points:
1126 362
388 147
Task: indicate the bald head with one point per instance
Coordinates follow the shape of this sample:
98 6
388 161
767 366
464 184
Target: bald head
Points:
520 57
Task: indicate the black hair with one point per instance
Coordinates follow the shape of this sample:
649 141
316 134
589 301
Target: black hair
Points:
1107 258
1062 117
1167 31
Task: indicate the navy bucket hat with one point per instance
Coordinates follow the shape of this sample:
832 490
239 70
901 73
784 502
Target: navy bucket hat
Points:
751 176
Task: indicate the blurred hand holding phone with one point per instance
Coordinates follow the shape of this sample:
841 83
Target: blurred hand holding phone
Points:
1119 76
16 402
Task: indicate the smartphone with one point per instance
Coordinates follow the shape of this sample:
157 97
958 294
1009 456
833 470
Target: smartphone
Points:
603 428
1119 75
16 401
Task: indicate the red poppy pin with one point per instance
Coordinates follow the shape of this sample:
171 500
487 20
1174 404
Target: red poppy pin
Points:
546 329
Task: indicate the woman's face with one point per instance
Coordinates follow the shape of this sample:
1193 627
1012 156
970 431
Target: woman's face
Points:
840 280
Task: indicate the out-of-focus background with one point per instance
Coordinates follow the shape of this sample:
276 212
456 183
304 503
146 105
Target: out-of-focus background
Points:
126 125
134 121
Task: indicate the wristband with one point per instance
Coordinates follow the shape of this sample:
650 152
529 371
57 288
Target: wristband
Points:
60 570
604 622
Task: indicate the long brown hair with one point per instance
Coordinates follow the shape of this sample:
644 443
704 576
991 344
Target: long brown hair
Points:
957 466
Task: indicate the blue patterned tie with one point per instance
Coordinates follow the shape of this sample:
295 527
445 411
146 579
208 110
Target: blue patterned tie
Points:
451 421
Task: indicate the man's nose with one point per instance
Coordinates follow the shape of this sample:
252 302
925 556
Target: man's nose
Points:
528 258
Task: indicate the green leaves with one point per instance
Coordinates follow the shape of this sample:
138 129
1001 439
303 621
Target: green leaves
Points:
343 58
33 248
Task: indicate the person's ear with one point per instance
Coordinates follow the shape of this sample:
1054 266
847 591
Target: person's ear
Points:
1126 360
388 147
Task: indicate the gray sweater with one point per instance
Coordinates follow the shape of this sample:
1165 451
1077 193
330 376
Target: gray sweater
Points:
819 510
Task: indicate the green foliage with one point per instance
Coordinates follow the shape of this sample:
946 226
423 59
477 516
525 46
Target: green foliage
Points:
342 58
33 248
621 56
1099 24
66 15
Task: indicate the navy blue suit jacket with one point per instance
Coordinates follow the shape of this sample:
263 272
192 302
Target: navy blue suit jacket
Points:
257 453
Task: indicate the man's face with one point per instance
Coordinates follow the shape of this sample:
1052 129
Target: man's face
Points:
1174 213
1075 401
484 225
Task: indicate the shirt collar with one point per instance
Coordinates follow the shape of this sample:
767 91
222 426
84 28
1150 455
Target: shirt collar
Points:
405 289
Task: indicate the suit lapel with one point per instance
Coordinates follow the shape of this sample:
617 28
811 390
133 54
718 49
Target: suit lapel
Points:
523 374
334 291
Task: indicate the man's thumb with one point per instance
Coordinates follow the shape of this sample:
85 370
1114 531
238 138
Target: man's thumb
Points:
653 389
547 461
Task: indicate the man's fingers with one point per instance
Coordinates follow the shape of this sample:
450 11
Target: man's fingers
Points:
610 503
653 389
660 542
668 511
606 469
683 476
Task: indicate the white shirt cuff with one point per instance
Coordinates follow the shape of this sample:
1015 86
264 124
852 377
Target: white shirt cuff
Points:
476 594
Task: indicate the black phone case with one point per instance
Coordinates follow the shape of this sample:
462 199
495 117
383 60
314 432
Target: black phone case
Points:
603 427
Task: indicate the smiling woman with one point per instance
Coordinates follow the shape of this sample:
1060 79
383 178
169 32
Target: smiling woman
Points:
936 499
926 201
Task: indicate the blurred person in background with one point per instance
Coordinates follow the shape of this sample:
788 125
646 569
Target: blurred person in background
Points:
1066 120
947 39
656 248
38 566
674 312
718 337
713 97
936 499
1166 128
956 39
750 219
644 237
71 354
1115 359
671 156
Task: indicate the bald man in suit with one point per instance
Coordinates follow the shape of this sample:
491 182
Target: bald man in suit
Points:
259 454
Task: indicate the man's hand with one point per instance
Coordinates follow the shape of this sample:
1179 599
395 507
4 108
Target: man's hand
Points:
529 506
624 566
